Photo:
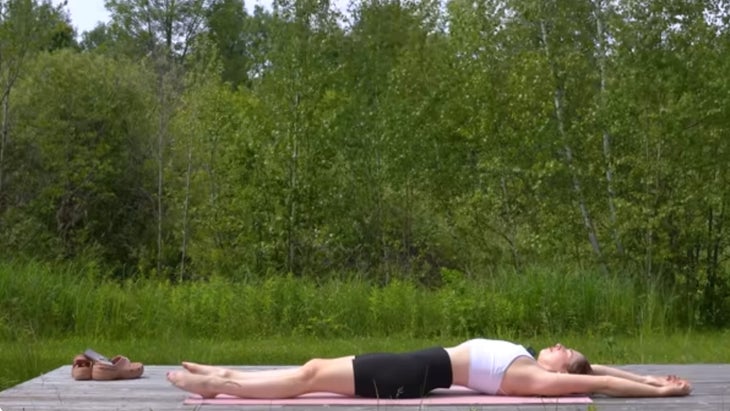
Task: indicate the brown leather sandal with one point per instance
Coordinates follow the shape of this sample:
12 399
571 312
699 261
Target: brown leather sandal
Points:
119 368
81 368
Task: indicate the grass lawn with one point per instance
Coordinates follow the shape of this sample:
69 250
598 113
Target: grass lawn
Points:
24 360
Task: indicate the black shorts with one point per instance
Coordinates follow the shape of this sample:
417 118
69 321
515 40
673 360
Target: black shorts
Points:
404 375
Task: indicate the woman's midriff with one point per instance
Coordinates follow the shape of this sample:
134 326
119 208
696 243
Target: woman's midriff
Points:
459 356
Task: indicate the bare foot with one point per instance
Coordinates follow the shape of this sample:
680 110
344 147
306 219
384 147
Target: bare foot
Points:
201 369
197 384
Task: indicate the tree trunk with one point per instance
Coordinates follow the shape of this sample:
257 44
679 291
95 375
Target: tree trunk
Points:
162 130
558 105
512 227
4 142
293 188
5 131
186 209
380 211
601 44
214 197
406 250
714 289
650 211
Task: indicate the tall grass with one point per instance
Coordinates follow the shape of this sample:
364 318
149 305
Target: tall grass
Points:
55 301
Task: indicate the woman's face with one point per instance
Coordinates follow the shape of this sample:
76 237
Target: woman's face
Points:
557 358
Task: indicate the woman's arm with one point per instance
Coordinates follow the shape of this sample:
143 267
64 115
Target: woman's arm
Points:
657 381
622 387
615 372
558 384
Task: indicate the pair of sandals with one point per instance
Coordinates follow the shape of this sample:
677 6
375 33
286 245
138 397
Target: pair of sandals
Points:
93 366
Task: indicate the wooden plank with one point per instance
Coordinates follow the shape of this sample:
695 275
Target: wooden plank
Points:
56 390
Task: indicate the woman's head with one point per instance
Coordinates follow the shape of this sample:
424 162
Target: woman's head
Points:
561 359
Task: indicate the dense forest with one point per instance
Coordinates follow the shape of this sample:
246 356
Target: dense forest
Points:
191 139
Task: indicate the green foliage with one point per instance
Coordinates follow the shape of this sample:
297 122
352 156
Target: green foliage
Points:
241 40
162 28
395 142
38 301
27 26
80 168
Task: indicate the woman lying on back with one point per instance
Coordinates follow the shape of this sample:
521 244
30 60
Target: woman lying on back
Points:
491 367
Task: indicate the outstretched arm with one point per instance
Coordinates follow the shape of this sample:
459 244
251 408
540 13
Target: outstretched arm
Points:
654 380
617 386
615 372
558 384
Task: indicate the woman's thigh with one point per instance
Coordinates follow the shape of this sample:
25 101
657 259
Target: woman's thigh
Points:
331 375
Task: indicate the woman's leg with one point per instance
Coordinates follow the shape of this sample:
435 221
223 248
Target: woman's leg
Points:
328 375
211 370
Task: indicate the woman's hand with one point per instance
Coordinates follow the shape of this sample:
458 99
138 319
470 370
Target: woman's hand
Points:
658 381
676 387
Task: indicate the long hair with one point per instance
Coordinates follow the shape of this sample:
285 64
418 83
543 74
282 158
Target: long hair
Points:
580 366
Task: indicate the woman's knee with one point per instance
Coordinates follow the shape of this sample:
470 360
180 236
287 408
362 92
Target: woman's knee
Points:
309 371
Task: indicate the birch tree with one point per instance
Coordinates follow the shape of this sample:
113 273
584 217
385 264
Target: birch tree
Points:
600 9
163 31
557 74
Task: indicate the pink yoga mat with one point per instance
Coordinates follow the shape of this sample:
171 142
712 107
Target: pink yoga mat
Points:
454 396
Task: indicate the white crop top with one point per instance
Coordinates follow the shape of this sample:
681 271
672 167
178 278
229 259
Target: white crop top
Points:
488 361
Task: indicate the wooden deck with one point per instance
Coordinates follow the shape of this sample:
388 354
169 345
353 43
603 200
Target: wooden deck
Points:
57 391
